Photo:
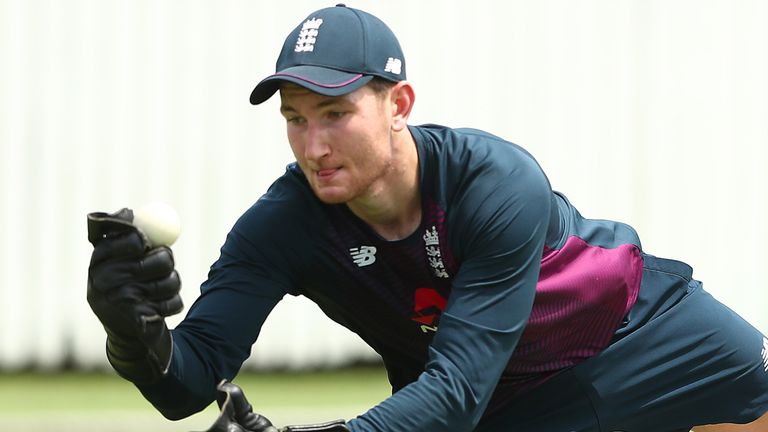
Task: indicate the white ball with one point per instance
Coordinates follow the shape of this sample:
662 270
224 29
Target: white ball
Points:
159 222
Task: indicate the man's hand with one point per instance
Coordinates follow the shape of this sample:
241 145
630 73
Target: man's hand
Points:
237 416
131 289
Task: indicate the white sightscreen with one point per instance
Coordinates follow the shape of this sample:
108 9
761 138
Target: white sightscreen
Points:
654 113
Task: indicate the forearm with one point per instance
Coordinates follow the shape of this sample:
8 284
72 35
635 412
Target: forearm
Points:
172 398
200 360
210 345
453 392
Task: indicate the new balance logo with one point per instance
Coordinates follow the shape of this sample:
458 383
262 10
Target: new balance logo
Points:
764 353
394 66
308 35
363 256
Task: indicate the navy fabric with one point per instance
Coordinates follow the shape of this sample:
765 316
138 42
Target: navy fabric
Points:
561 404
496 293
335 51
682 359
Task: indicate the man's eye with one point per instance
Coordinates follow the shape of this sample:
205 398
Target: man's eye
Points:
295 120
336 114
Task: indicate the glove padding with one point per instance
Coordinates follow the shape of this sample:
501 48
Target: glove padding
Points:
237 416
131 289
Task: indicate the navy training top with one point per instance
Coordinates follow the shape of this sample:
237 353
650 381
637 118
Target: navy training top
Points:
502 285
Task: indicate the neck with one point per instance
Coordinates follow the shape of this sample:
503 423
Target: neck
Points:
392 207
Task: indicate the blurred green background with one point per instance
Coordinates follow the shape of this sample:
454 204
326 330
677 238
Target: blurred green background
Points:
32 402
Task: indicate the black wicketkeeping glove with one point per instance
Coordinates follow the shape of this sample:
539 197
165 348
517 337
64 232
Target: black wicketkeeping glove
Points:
237 416
236 413
131 289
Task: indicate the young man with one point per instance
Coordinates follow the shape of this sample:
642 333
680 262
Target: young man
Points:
495 306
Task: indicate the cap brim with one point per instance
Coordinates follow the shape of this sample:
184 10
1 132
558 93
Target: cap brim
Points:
328 82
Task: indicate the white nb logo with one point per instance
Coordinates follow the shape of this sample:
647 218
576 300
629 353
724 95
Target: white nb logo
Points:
364 255
764 353
308 35
394 66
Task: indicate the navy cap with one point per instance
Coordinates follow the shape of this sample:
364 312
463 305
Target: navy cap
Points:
335 51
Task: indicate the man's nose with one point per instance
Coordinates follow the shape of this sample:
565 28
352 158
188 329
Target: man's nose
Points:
317 146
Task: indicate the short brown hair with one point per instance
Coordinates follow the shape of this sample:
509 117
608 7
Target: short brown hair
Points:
380 85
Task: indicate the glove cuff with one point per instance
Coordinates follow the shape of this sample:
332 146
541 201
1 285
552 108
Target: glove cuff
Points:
141 362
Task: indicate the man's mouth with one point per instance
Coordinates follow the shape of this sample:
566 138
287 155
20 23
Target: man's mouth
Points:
326 173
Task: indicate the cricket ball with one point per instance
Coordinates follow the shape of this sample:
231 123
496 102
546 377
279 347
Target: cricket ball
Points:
159 222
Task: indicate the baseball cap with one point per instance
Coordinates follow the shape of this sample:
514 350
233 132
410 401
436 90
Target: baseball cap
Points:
335 51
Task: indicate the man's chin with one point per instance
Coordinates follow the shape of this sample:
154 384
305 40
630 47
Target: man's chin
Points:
331 197
332 200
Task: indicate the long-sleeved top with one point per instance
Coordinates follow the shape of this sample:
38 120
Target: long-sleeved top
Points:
502 285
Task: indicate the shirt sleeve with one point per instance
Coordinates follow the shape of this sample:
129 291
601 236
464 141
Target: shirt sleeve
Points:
501 223
214 339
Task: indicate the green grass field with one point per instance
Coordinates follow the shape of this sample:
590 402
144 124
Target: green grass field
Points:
104 402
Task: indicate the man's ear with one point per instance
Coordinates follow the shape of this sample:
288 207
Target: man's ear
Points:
402 98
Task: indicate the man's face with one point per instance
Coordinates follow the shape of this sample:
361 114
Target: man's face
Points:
342 143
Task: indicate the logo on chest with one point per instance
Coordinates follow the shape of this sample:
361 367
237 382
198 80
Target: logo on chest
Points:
434 256
363 256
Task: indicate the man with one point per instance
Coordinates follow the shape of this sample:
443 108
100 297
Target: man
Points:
495 306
